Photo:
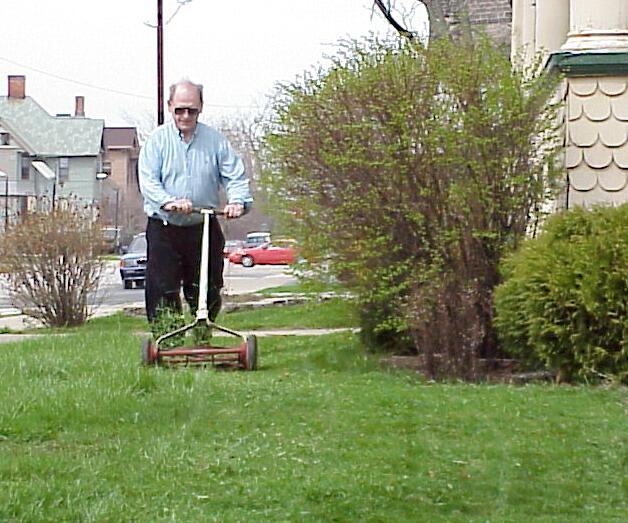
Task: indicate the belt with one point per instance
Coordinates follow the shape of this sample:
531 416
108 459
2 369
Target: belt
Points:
165 223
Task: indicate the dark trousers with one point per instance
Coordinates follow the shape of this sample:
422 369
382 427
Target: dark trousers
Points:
174 262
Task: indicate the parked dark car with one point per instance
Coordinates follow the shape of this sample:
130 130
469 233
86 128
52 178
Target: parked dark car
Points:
133 263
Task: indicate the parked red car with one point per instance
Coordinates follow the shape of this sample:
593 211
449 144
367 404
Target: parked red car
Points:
270 253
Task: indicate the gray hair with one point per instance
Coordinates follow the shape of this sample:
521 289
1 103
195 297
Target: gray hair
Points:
186 81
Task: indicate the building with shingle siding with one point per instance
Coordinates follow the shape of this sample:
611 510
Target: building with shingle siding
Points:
46 157
588 43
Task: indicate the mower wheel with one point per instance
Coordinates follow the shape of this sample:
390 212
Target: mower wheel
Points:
148 353
251 352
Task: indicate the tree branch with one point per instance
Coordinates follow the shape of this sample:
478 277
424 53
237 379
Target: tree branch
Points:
388 15
181 4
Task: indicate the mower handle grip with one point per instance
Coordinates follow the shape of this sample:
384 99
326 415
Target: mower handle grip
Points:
201 210
208 210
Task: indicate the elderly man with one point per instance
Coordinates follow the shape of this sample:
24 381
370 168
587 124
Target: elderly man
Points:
184 164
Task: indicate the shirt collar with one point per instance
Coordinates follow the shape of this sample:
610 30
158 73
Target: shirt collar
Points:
175 130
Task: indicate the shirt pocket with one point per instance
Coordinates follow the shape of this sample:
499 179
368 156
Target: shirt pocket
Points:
206 165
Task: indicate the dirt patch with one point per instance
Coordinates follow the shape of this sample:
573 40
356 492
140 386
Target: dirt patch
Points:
497 371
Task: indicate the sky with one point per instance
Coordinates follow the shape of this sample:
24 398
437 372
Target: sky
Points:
106 50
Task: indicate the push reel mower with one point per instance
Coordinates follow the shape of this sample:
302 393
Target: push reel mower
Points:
241 356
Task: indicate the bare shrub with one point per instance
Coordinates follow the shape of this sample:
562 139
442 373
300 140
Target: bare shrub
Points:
411 171
52 264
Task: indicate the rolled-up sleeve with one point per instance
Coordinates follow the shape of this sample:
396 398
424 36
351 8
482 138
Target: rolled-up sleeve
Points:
149 166
233 176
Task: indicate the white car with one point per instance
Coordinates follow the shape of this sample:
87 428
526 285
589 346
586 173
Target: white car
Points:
255 238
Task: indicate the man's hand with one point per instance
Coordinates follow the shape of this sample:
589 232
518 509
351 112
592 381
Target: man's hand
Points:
182 205
233 210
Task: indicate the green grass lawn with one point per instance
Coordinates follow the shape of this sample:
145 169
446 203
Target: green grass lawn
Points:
332 313
319 433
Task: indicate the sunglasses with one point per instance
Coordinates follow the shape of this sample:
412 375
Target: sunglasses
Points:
192 111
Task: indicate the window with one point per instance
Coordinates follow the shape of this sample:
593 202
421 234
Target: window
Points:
64 169
26 167
106 168
5 138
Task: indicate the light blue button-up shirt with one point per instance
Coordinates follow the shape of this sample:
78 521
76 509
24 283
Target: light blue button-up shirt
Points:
170 169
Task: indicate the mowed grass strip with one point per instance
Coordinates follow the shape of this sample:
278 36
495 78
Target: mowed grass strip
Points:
333 313
319 433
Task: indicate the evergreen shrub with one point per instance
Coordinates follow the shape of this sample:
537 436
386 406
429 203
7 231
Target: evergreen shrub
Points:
564 299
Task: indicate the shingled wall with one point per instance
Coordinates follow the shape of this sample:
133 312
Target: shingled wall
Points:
597 140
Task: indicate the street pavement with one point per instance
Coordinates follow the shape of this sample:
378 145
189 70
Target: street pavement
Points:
238 281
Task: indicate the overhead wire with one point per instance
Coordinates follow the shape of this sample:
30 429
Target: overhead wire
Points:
78 82
110 90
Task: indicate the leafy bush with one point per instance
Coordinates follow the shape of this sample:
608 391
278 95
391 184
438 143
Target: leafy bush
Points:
52 263
410 171
564 300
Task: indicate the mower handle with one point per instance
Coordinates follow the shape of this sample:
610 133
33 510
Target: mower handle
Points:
210 211
201 210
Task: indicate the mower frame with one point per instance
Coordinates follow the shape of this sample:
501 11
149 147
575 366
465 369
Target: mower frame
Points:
242 356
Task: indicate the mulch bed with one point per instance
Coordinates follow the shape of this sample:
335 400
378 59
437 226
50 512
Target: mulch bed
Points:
496 371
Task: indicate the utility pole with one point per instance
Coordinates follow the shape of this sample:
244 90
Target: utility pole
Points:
6 203
54 192
117 238
6 198
160 63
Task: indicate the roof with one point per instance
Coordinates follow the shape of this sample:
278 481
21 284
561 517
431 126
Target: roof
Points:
120 138
47 135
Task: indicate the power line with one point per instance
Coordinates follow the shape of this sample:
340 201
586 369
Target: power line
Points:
78 82
109 90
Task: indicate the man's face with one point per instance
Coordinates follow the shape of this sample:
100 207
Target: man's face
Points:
185 106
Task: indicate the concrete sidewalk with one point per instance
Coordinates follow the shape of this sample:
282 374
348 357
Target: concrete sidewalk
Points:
13 320
237 282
